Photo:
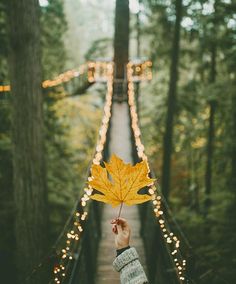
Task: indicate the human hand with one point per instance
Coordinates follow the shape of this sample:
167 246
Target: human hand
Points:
121 230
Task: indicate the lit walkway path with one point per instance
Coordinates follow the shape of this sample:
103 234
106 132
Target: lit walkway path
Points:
120 144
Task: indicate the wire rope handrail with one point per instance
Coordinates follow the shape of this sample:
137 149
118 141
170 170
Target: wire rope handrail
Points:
179 264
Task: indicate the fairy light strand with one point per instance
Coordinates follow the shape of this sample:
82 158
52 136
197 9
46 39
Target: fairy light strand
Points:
141 70
171 240
73 235
97 71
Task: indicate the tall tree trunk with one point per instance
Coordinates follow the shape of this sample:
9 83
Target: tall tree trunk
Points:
29 169
121 48
171 103
233 147
211 134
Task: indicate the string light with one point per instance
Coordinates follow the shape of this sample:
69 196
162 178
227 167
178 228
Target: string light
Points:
73 235
60 79
5 88
65 77
141 70
98 71
103 71
171 240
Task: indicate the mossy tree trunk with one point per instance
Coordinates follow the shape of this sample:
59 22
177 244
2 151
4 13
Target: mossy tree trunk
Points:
30 191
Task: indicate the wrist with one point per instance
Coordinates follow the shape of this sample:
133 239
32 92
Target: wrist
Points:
120 250
122 245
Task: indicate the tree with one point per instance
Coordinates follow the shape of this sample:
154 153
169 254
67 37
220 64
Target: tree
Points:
171 103
30 191
211 133
53 27
121 44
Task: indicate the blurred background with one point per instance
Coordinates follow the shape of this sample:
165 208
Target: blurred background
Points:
203 166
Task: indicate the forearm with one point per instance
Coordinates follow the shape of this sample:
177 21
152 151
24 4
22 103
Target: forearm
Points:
130 268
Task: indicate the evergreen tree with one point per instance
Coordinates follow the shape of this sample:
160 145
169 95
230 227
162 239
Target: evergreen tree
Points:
171 108
30 189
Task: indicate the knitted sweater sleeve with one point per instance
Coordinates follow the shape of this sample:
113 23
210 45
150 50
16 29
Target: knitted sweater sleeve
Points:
130 268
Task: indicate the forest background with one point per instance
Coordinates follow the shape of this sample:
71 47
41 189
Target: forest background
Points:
203 176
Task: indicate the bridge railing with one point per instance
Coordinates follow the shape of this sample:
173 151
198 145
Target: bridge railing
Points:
165 263
81 267
76 260
73 82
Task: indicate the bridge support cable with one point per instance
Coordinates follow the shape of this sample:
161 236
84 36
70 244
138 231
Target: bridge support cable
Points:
171 243
74 81
77 252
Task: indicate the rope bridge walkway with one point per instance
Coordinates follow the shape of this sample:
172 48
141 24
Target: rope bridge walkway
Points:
84 250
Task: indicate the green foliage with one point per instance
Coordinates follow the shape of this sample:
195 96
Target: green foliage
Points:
3 45
98 49
204 24
54 26
71 137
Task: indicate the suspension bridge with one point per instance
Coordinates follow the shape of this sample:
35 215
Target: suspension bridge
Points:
84 250
89 232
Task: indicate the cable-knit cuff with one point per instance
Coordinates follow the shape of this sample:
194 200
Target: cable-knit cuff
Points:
125 258
119 251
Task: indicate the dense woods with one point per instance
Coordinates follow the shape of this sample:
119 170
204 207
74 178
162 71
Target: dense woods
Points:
187 117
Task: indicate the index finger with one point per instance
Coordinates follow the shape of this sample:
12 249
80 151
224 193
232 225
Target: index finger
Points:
123 222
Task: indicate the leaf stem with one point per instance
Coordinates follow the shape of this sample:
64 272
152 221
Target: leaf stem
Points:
121 205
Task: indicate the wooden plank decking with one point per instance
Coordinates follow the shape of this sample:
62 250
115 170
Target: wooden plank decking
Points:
120 144
106 252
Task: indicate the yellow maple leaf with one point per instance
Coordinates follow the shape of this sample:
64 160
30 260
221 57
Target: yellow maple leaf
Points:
126 181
